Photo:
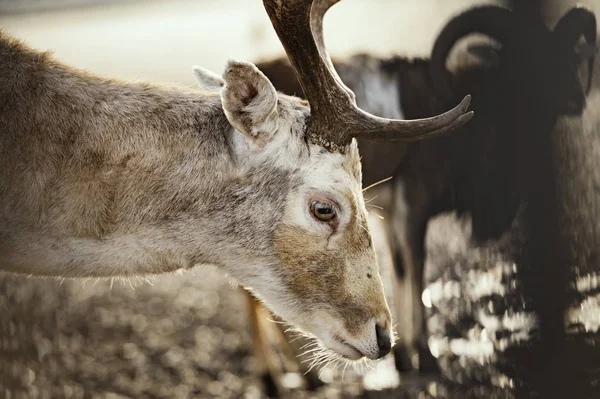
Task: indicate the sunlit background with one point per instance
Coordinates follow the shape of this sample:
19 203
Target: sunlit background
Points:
184 335
161 40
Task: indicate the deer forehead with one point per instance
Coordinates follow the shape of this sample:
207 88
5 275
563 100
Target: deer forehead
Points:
334 169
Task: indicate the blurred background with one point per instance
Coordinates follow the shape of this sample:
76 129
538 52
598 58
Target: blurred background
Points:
160 40
177 336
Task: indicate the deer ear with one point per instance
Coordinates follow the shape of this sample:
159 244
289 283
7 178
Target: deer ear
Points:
207 79
249 101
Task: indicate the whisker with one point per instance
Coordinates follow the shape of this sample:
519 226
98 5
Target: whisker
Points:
296 338
365 366
323 369
330 357
369 200
395 334
312 350
320 358
336 363
309 344
315 355
377 183
355 366
317 360
347 363
296 330
364 228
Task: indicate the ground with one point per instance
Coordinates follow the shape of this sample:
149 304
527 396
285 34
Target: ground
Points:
183 336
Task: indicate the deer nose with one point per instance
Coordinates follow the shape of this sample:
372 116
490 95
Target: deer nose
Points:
384 341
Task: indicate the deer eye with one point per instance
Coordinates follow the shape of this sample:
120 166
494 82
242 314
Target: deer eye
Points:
323 211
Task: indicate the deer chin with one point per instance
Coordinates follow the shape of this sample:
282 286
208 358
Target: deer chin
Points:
334 337
342 348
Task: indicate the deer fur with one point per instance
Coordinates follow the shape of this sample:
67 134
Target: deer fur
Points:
103 178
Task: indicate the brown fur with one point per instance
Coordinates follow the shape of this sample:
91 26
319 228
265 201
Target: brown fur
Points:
331 283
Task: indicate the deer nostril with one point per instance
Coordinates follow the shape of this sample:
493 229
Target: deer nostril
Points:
384 341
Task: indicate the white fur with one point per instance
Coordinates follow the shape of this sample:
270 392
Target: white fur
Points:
208 79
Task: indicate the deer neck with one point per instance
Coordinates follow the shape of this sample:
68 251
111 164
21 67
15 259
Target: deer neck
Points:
121 179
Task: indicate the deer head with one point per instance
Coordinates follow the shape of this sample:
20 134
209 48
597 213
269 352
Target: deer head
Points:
324 263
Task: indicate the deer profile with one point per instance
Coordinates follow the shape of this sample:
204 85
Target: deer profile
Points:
102 178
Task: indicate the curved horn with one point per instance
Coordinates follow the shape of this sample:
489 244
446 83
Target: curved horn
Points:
494 21
335 118
579 21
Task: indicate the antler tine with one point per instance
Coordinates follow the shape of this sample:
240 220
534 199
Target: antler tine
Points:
293 24
316 24
335 118
375 128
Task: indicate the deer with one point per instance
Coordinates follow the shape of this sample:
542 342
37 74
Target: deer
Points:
105 178
521 89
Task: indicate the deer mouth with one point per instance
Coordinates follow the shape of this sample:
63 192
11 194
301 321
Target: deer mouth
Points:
346 349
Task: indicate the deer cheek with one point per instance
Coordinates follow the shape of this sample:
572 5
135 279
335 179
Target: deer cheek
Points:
305 265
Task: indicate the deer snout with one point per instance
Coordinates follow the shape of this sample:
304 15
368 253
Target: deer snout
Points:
384 340
372 339
379 340
375 339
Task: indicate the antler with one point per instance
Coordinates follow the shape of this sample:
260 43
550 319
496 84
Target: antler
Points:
335 118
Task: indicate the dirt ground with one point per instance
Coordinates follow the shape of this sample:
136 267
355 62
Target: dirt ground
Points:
182 337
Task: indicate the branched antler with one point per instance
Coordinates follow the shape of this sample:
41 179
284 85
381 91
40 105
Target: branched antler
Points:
335 118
